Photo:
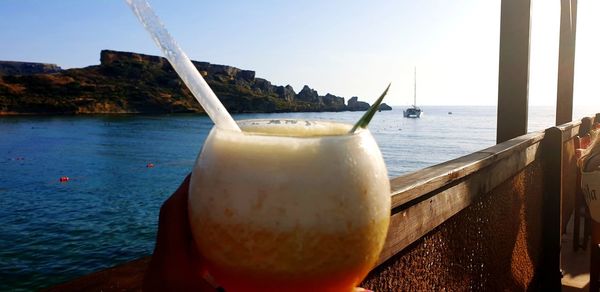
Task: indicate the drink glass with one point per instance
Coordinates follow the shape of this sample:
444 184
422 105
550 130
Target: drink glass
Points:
289 205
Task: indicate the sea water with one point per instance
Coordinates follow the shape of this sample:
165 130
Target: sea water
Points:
106 214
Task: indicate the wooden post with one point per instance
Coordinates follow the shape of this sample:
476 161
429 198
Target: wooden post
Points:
566 61
513 72
549 273
584 128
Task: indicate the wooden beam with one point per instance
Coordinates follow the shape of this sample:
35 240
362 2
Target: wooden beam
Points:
550 266
513 75
566 61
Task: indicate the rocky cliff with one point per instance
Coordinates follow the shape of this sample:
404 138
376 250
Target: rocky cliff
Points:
26 68
135 83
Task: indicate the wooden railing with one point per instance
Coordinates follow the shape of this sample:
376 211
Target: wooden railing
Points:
476 221
487 220
502 209
424 199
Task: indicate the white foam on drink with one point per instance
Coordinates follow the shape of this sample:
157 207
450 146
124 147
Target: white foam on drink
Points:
294 128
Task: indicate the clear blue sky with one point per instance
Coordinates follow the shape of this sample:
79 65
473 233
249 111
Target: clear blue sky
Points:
345 48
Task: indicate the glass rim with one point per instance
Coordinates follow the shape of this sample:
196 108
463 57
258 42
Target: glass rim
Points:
359 131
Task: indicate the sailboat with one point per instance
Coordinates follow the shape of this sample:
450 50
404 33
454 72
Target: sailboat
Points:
413 112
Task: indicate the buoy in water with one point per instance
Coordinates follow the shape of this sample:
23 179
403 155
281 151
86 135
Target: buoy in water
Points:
150 165
63 179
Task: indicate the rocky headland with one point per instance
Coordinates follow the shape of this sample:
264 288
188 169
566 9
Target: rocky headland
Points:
27 68
135 83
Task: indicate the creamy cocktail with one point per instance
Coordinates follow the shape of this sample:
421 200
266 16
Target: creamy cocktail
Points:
289 205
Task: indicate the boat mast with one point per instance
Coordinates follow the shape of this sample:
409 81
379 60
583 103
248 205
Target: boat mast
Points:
415 91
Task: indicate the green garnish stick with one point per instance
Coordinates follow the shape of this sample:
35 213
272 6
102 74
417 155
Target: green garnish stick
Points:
366 118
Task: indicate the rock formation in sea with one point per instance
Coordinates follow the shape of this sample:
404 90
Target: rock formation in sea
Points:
136 83
385 107
355 105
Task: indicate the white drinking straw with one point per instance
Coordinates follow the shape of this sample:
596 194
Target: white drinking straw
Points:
183 66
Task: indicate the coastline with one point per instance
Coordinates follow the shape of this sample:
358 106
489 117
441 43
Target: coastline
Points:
132 83
126 113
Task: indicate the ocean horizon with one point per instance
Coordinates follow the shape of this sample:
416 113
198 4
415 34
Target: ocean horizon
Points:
106 214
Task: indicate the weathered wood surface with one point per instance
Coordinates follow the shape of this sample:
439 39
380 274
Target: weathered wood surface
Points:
569 130
434 195
492 245
413 185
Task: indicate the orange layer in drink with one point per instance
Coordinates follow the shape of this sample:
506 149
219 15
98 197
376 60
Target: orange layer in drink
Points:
243 258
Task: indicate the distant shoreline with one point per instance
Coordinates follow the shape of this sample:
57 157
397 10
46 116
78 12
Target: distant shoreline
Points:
12 114
16 114
132 83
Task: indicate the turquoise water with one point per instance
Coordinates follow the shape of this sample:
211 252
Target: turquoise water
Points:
51 232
